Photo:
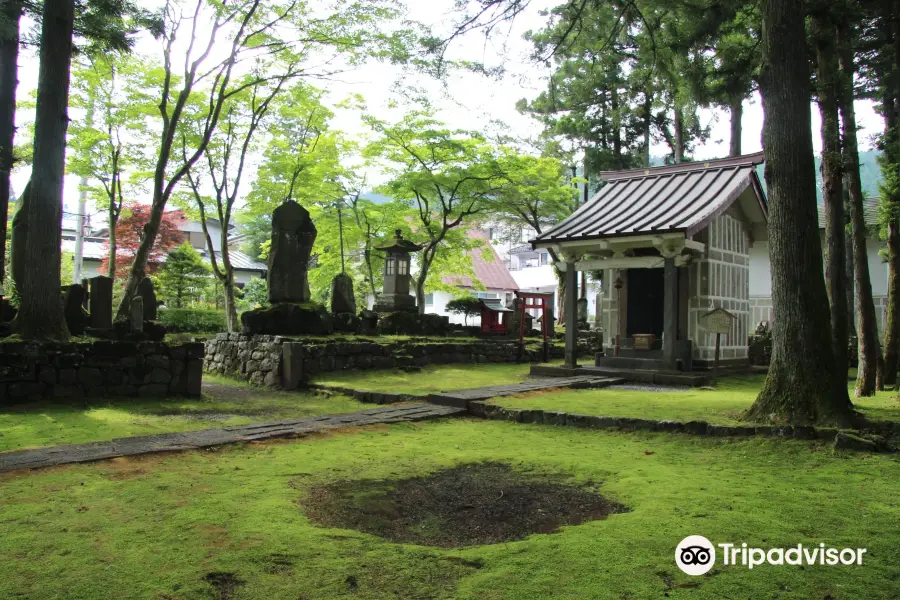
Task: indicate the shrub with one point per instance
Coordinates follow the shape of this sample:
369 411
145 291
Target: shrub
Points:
468 306
192 320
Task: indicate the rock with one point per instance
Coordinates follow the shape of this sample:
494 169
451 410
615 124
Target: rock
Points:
849 440
399 323
346 322
288 319
368 322
293 236
148 293
76 317
342 297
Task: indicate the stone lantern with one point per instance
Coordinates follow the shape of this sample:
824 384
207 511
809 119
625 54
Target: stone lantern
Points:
395 296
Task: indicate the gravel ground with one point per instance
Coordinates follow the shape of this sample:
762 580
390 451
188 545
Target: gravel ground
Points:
650 387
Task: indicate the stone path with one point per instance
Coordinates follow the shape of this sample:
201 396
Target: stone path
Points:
191 440
461 398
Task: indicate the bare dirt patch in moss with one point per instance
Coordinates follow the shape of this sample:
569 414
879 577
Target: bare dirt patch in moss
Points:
473 504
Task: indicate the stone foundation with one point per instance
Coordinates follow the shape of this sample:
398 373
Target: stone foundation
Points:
35 371
277 361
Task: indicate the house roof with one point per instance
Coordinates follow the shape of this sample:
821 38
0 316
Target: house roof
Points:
96 251
492 274
870 213
671 198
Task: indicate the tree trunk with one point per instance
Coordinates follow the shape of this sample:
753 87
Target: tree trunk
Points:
849 273
891 111
427 259
616 125
825 41
9 57
40 307
678 136
648 120
231 316
802 385
113 221
737 113
866 326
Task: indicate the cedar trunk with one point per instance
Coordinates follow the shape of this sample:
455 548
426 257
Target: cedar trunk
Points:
9 56
849 273
737 113
825 41
678 136
40 306
803 385
866 325
891 111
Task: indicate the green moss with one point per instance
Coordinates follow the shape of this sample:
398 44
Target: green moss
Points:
97 419
723 406
433 378
158 526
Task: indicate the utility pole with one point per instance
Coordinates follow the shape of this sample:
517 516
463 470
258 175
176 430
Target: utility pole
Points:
79 231
82 212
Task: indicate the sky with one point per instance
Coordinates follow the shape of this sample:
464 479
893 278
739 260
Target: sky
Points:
473 101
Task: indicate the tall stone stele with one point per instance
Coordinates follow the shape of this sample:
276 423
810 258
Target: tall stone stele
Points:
292 312
397 276
293 236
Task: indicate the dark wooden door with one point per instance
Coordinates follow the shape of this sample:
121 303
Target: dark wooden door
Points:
645 301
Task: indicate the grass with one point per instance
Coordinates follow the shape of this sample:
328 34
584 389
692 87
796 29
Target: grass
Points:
166 527
723 406
434 378
98 419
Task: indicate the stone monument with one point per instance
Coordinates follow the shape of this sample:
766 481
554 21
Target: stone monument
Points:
137 314
101 302
292 312
293 236
342 298
147 292
76 317
397 276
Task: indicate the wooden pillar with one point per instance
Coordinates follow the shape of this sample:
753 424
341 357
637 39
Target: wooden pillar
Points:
670 312
571 315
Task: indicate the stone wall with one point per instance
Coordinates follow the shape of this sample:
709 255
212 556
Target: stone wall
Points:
286 362
34 371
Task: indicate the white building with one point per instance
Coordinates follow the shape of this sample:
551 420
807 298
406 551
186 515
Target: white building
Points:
96 249
761 273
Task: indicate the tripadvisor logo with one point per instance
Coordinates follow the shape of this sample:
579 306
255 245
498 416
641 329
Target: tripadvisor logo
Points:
696 555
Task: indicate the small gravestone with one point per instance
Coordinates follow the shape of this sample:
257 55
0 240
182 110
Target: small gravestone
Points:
148 293
75 315
137 314
293 236
342 297
101 302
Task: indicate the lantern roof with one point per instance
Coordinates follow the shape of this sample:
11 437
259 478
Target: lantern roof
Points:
398 244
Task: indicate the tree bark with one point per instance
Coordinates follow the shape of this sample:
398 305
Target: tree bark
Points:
737 113
9 69
678 135
802 385
648 120
113 221
40 306
891 111
825 41
866 326
849 273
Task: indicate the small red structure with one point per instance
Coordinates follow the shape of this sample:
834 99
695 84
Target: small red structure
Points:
542 301
491 311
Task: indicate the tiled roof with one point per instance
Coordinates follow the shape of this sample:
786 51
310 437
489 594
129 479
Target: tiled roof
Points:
870 212
492 274
671 198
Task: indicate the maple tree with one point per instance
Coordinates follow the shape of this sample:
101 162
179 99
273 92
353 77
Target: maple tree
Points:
130 233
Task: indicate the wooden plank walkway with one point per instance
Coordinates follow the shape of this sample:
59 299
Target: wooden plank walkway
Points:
191 440
461 398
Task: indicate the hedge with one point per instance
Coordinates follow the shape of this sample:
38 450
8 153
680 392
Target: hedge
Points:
192 320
